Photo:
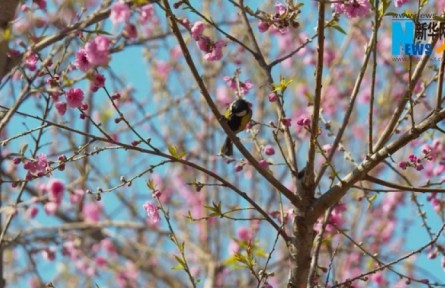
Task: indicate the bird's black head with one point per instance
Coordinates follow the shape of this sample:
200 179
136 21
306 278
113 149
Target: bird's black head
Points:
239 106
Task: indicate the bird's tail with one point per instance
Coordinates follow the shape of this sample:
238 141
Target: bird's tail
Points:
227 148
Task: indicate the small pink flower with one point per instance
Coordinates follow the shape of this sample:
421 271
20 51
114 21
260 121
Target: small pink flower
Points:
353 8
100 261
32 212
412 158
263 163
41 4
268 149
244 234
120 12
197 30
162 68
399 3
326 148
97 51
55 188
51 208
76 196
61 108
81 61
130 32
204 44
31 62
403 165
97 81
273 97
91 212
263 26
419 167
238 167
215 52
280 9
147 12
108 246
244 86
286 122
152 213
304 122
74 97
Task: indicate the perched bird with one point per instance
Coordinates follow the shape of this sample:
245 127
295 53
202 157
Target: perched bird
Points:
237 115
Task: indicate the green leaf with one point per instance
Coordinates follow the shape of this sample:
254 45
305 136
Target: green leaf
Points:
339 29
174 152
181 262
23 149
151 184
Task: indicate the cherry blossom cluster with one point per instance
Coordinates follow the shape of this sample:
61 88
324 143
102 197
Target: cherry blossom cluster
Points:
235 84
283 18
212 49
415 161
352 8
121 13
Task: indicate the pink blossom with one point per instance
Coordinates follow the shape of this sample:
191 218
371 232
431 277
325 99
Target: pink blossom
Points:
326 148
280 8
91 212
286 122
152 213
97 81
55 188
147 12
31 61
32 212
120 12
238 167
403 165
413 158
108 246
215 52
244 234
268 149
162 68
304 121
263 163
130 32
74 97
353 8
197 30
222 96
41 4
399 3
243 86
61 108
204 44
273 97
419 167
51 208
81 61
76 196
263 26
100 261
97 51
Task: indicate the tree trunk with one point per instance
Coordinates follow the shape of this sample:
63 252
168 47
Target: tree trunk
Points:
300 249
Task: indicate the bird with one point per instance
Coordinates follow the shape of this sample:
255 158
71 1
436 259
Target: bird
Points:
237 116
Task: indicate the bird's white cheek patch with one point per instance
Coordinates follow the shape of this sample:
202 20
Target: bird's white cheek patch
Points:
241 114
